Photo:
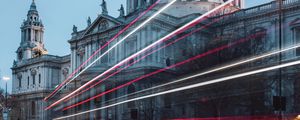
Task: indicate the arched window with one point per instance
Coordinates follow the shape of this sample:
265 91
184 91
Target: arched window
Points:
168 62
33 74
19 76
80 53
20 55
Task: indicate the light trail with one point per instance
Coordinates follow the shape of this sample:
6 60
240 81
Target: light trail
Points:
167 37
116 66
164 69
57 89
247 60
143 57
213 81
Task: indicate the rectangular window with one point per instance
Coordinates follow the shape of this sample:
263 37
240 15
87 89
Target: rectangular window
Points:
33 108
28 35
20 83
28 81
36 35
104 60
33 79
39 78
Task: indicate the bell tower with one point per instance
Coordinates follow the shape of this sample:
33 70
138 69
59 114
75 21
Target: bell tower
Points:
32 31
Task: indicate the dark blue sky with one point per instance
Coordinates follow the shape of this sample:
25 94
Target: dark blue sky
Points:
58 17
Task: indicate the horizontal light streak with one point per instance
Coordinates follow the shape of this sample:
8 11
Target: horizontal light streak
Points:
214 81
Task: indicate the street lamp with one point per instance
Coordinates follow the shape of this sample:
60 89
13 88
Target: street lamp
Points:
297 118
6 79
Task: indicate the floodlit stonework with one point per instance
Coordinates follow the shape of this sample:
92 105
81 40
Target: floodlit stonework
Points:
36 74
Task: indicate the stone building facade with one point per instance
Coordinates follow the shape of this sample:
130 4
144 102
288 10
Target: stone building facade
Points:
252 97
85 42
35 73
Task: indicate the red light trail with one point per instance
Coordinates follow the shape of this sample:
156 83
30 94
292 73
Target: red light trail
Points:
102 47
143 57
164 69
188 87
167 37
236 63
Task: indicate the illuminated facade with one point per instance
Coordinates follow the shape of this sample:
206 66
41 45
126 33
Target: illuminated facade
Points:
35 72
33 63
85 42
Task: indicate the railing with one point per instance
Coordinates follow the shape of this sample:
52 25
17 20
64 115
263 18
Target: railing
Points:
261 9
165 18
27 90
44 57
288 2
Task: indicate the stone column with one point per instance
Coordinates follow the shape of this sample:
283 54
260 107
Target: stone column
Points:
39 36
154 31
42 36
139 2
294 38
103 99
27 35
72 60
86 53
32 34
91 50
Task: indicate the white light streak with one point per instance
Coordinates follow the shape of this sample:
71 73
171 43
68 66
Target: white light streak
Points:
124 38
148 47
115 45
215 70
190 87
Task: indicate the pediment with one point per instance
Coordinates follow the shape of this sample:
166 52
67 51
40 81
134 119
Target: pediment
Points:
102 23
